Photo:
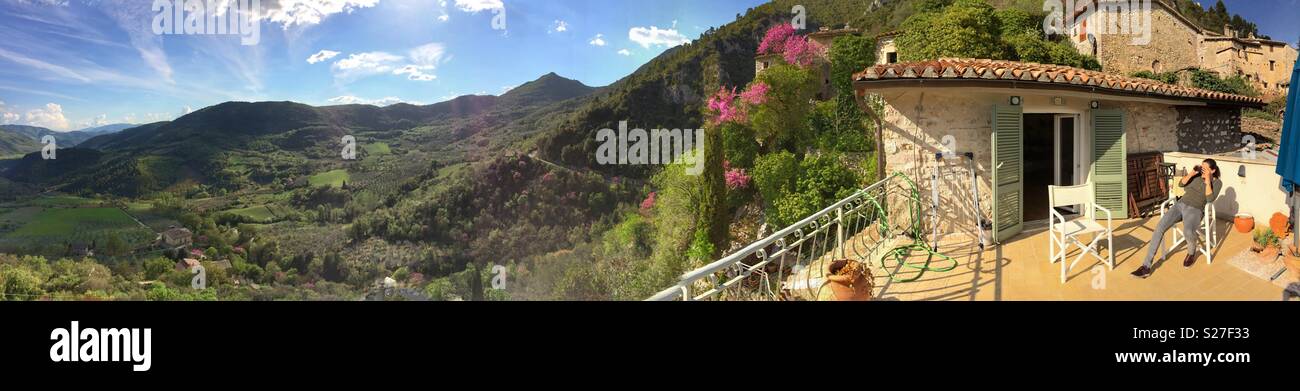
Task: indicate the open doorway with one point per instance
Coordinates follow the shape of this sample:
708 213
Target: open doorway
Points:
1051 158
1039 164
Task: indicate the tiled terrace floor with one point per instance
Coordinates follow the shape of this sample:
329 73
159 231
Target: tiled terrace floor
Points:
1020 270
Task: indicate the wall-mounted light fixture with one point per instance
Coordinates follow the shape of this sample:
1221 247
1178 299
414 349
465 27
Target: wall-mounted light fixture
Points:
1015 101
1095 105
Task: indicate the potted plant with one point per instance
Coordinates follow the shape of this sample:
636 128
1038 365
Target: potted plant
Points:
849 280
1291 257
1264 241
1244 222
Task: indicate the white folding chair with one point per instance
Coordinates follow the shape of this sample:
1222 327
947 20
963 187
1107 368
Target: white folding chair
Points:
1210 238
1063 233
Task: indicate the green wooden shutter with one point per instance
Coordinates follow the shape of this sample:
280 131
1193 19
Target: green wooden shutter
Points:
1109 168
1008 172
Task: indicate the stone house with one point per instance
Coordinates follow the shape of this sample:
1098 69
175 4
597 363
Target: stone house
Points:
1177 43
1032 125
886 50
176 237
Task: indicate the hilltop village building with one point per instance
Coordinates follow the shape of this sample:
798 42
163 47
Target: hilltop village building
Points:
1179 44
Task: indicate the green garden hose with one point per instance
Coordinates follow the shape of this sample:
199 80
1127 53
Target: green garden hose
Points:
901 253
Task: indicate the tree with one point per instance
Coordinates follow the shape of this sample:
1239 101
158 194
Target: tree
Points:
154 267
115 246
973 29
850 54
781 122
19 284
967 28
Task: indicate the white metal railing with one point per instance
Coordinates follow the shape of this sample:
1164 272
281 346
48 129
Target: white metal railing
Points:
796 246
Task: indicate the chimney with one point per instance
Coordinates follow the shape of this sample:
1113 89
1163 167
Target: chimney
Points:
1252 36
1227 31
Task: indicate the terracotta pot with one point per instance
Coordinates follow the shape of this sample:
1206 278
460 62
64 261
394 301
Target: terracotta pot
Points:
851 285
1244 222
1279 223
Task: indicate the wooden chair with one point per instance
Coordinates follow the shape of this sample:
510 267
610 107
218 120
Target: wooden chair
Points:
1063 233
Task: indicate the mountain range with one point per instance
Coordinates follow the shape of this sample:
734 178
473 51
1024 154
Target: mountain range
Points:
22 139
237 144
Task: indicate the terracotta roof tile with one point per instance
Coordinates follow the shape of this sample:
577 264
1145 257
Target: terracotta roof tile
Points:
1014 71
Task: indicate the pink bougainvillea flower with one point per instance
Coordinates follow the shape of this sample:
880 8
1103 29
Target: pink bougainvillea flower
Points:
737 179
723 104
801 51
648 203
756 95
775 38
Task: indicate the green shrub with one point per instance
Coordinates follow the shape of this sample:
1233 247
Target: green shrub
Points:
738 145
1166 77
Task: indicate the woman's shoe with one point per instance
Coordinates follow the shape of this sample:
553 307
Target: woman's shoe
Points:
1191 260
1142 272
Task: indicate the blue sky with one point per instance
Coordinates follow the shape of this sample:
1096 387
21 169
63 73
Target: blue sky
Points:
70 64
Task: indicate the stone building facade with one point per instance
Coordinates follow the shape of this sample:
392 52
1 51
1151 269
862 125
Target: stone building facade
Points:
1177 43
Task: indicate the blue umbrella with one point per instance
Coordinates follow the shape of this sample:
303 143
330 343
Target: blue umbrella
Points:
1288 157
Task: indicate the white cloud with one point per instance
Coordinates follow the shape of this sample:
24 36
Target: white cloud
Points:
321 56
418 64
559 26
599 40
9 118
100 120
655 36
290 13
187 110
508 88
428 55
414 73
136 18
50 116
624 52
474 6
365 64
444 17
353 100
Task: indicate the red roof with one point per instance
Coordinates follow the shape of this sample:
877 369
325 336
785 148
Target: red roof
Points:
1042 74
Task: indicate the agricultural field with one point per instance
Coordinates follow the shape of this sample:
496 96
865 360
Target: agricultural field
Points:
48 229
378 149
261 213
333 178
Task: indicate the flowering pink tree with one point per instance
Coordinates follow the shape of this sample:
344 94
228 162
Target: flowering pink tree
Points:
737 178
774 41
795 49
756 95
730 106
801 51
648 204
723 105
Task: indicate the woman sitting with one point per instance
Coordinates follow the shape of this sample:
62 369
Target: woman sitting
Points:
1201 185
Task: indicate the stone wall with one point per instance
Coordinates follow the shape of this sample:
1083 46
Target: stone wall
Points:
1148 127
915 123
1174 44
1209 130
